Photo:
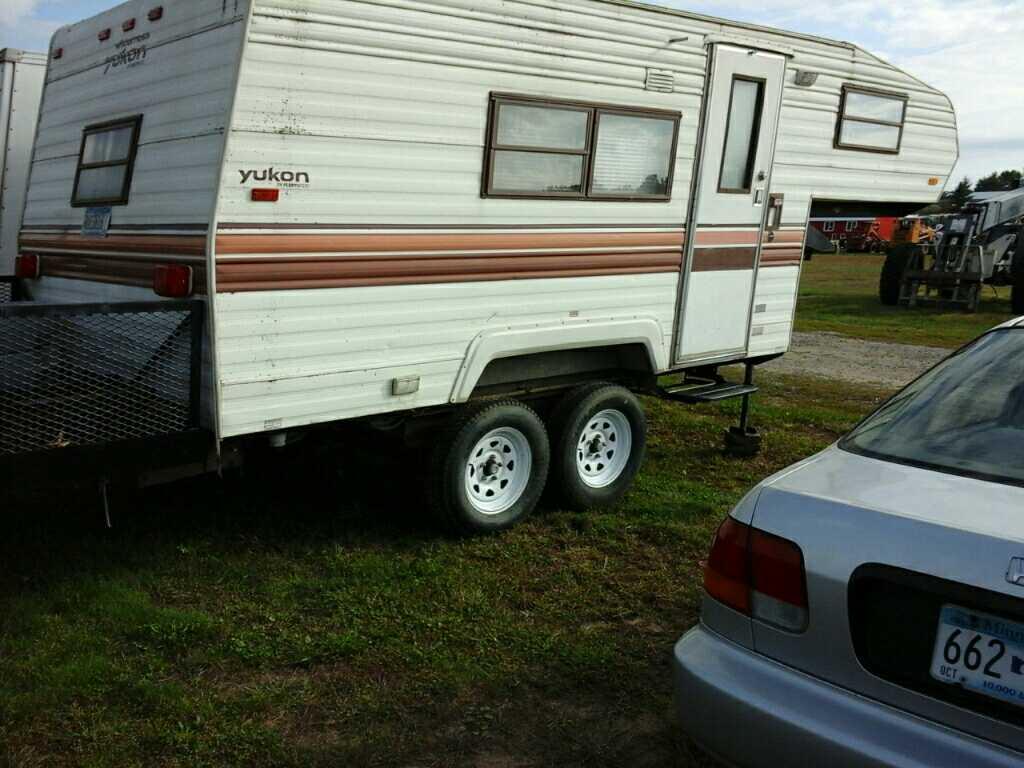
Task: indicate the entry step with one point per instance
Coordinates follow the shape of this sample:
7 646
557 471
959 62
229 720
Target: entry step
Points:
693 392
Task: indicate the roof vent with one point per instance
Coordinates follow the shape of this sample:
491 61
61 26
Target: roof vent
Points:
660 80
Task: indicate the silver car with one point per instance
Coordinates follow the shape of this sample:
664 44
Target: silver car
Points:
866 606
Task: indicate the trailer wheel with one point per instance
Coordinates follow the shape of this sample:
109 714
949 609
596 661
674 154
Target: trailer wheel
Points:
490 471
891 281
600 439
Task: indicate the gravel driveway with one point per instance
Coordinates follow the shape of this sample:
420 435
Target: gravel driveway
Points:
833 356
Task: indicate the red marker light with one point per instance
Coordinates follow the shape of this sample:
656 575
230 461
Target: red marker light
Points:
128 26
104 35
156 13
58 53
266 195
173 281
27 266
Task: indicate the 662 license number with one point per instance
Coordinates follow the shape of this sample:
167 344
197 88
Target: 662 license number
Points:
981 653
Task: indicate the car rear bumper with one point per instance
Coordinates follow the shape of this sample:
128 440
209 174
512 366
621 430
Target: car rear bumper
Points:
752 711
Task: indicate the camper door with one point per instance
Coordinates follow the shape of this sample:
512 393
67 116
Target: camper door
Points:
729 210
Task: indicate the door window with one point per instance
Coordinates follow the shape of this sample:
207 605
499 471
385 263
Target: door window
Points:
741 135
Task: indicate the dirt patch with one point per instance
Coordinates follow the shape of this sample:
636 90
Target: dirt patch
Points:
833 356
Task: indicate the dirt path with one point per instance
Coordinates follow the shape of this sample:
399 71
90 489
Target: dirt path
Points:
833 356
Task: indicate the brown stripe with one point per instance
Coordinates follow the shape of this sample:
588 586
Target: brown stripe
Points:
723 259
111 269
246 244
184 245
785 256
347 272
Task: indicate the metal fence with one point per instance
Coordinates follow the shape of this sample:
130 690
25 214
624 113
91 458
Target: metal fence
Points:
95 374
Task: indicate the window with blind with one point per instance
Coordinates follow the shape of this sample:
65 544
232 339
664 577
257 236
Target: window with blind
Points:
578 151
870 121
105 161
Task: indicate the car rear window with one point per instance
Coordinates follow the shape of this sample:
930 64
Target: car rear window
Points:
966 416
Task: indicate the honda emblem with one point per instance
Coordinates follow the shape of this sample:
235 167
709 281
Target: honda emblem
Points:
1015 573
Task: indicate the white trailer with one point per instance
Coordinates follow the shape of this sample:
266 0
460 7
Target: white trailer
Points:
400 210
21 88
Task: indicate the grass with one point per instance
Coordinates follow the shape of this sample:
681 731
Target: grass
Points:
304 619
839 293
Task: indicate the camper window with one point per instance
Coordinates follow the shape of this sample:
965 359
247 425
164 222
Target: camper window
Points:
741 135
870 121
578 151
105 161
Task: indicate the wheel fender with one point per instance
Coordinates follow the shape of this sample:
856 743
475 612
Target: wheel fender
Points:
497 343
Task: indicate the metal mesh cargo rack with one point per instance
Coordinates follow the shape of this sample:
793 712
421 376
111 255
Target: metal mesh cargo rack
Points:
83 376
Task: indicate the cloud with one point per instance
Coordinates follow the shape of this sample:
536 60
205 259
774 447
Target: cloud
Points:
13 11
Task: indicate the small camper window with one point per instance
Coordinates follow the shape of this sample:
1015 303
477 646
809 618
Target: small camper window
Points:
742 132
105 161
539 148
870 121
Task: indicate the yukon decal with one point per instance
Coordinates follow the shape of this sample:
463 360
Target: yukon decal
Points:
283 178
131 52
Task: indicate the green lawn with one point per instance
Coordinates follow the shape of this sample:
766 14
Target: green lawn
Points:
259 623
840 293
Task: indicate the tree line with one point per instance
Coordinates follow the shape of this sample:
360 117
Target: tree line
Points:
956 198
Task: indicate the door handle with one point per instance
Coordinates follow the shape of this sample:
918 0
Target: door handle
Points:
759 196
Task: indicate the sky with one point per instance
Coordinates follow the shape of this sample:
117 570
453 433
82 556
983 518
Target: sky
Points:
970 49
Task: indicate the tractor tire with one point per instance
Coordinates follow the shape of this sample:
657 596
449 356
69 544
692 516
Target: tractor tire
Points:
1017 296
891 281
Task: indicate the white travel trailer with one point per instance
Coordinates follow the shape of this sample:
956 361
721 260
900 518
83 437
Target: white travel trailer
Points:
397 210
21 87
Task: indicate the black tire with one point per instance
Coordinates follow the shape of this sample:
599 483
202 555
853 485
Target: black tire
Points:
447 484
1017 295
892 274
569 421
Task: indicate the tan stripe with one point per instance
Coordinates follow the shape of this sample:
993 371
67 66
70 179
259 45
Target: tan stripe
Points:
726 237
349 272
723 259
342 243
785 240
189 245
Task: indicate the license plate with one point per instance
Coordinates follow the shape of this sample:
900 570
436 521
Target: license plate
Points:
96 221
981 653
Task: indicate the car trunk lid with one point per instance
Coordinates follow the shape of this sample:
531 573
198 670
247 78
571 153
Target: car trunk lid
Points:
886 547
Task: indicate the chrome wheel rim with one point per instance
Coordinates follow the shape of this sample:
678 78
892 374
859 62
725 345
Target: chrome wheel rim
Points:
603 449
498 471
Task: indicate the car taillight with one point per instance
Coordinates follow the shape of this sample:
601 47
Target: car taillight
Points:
727 575
26 266
759 575
173 281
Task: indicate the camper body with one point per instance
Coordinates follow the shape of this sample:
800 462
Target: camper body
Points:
21 87
391 208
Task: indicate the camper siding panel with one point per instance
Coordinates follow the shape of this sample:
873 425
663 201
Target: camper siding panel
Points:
182 87
303 357
388 105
